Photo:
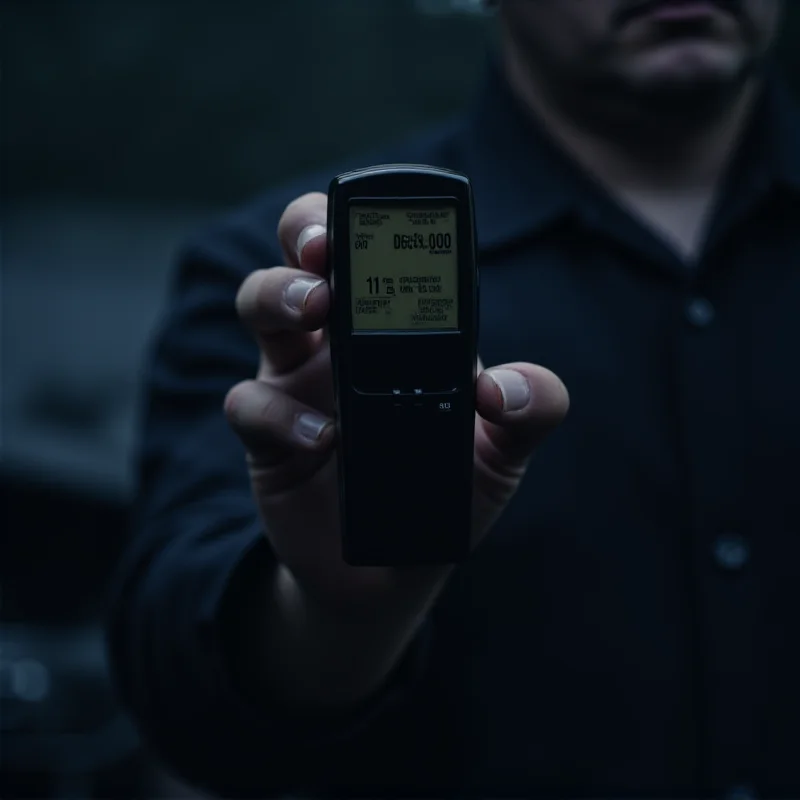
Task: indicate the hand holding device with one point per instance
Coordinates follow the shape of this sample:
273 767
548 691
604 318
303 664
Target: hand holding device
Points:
339 628
285 420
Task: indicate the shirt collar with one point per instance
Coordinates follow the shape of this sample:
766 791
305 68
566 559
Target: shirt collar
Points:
777 133
524 182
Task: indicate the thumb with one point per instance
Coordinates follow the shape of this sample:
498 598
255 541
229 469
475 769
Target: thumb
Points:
518 405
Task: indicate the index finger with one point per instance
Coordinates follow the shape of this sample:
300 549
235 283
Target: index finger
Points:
301 232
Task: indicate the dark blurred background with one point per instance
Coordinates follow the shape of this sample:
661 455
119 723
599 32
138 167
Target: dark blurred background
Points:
126 124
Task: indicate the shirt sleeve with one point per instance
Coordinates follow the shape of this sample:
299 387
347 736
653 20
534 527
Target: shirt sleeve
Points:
196 542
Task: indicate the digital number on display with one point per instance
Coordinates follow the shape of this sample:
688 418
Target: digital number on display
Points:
404 278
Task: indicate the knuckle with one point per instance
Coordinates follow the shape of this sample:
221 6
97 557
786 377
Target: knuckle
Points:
254 405
304 210
295 207
268 290
271 408
235 400
260 299
249 291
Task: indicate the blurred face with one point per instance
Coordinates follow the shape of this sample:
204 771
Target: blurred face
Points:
648 45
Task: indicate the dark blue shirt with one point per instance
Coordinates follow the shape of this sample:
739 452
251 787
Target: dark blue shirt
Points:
632 626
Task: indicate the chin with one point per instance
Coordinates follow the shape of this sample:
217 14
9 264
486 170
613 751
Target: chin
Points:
686 64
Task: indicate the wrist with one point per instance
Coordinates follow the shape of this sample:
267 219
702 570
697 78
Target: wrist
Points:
327 655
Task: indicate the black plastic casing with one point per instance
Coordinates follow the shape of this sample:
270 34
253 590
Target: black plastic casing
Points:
405 400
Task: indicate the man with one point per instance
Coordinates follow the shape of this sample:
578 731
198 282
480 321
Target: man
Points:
629 624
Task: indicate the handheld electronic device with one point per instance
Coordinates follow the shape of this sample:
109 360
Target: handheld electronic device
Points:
403 333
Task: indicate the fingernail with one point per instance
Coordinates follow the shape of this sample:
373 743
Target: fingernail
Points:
298 291
306 235
514 388
310 426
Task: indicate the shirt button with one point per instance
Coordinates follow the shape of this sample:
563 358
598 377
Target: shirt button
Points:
731 551
700 312
740 793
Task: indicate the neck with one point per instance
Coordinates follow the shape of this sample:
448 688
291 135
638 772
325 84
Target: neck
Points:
631 147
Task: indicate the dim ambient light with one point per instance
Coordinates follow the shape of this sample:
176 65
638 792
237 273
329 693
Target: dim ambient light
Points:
442 8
